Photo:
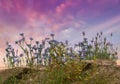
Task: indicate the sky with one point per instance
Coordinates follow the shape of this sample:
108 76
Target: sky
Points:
67 19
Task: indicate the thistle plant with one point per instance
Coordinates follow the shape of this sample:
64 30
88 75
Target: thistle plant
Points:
32 52
99 48
13 59
51 51
63 64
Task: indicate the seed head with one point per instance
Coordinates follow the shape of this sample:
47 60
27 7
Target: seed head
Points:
31 38
21 34
37 42
83 33
111 34
16 42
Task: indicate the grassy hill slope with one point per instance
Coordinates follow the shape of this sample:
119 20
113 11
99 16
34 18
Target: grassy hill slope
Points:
91 74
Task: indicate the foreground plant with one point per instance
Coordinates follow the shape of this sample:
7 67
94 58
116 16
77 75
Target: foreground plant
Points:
99 48
50 50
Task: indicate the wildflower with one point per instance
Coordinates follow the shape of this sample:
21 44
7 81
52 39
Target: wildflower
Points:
41 46
31 50
43 42
22 34
31 38
79 52
97 34
89 46
46 50
20 41
85 39
7 50
47 38
83 55
29 45
108 44
96 44
71 49
111 34
101 33
71 55
83 48
9 46
21 55
34 47
15 60
16 42
80 44
75 45
52 35
35 55
61 43
105 40
96 38
37 42
67 49
23 39
66 42
44 55
83 33
92 41
13 53
54 42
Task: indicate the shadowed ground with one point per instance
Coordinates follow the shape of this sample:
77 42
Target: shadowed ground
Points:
104 74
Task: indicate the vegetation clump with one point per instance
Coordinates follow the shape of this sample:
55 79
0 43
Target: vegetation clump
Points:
54 62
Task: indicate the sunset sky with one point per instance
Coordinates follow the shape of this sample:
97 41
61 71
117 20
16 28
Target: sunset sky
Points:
66 18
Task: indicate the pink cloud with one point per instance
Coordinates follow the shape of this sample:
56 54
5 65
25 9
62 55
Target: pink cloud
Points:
38 18
60 9
34 9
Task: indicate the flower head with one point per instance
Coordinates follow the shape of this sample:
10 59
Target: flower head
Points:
101 33
83 33
37 42
21 34
21 55
31 38
111 34
66 42
16 42
52 35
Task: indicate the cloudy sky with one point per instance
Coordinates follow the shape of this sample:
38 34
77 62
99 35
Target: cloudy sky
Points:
66 18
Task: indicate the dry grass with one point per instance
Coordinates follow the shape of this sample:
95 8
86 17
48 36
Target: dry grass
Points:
103 74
